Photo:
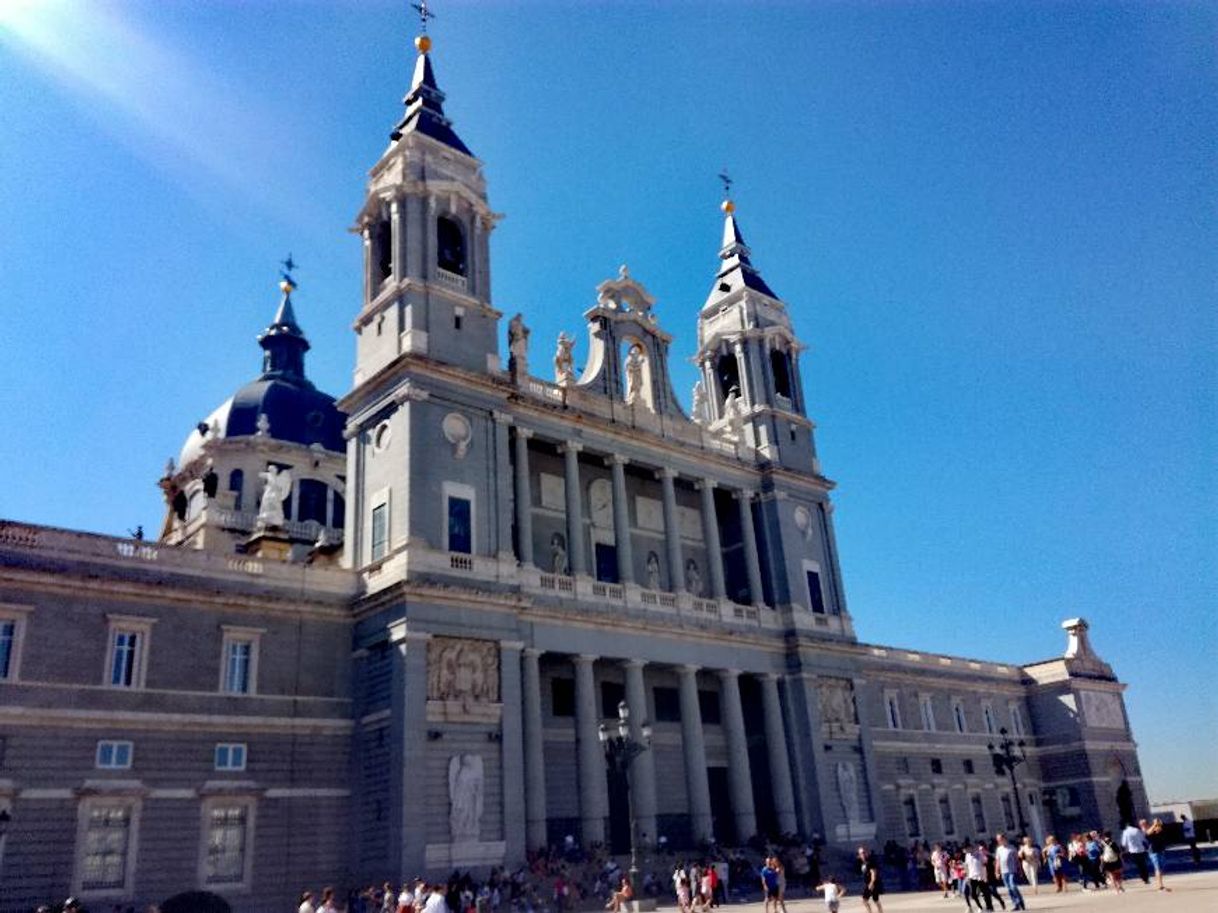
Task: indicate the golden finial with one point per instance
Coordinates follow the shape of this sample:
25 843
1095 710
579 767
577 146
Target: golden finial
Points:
423 42
727 205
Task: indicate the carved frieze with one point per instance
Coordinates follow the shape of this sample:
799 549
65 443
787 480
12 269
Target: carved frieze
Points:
838 713
462 679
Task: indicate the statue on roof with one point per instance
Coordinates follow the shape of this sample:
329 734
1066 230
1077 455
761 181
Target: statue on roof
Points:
564 361
278 488
699 404
518 349
634 375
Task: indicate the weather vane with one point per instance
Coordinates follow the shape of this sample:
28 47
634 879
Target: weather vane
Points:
727 182
425 13
288 282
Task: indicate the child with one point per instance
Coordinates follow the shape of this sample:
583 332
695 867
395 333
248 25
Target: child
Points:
833 891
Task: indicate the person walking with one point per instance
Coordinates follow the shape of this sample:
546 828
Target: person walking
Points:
1055 860
776 861
1158 847
833 891
1007 861
306 903
769 885
1110 859
1190 837
1136 845
1093 849
327 901
873 884
1029 858
938 862
978 883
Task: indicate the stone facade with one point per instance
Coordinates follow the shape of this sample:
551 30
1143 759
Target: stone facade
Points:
240 711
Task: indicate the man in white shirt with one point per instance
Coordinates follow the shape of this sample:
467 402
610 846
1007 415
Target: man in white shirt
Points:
1135 843
978 883
435 901
1008 866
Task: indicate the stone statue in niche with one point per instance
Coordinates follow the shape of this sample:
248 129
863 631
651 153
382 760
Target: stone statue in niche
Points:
848 790
558 555
653 571
277 488
837 702
693 578
466 671
465 798
518 348
634 375
699 408
564 361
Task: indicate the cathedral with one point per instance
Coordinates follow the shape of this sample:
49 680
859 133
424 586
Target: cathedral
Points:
381 635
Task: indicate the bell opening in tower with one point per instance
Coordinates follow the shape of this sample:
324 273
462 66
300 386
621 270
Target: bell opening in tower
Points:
727 372
450 246
382 251
780 368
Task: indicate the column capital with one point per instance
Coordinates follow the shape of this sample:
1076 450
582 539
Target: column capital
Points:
511 644
633 663
729 674
667 472
525 433
533 652
584 658
743 494
703 484
501 418
689 669
570 447
770 676
616 459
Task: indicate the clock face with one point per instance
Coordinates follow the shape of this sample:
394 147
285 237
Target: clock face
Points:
600 502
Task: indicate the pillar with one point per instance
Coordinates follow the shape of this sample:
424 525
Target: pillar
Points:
511 749
524 498
621 520
700 822
534 751
407 750
780 760
397 240
739 772
575 510
593 785
710 531
643 770
503 488
752 565
672 531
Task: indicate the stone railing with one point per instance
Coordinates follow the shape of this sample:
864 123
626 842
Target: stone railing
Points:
247 520
453 280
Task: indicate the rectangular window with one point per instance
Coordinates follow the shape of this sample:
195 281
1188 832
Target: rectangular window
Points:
708 703
988 713
562 696
238 656
978 814
105 848
968 766
113 755
380 531
1008 811
227 841
668 705
125 659
958 714
945 812
893 710
913 827
460 526
928 713
605 555
903 764
936 765
230 756
816 596
612 694
8 645
1017 720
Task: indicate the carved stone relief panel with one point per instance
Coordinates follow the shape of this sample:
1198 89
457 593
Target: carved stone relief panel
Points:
838 713
461 670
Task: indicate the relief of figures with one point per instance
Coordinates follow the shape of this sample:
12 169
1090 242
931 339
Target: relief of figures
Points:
466 671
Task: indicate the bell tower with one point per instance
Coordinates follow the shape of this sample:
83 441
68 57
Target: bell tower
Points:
748 358
426 228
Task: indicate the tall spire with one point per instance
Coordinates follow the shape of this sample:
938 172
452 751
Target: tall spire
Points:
425 102
736 269
284 342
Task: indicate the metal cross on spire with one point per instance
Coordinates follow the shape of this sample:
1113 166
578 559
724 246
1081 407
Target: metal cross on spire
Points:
727 182
425 13
288 266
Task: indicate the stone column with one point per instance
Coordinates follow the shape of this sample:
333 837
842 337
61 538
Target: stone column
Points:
524 498
534 752
407 750
672 531
503 490
700 822
710 531
746 377
780 761
511 749
739 772
366 234
397 236
752 564
575 510
643 770
621 520
593 785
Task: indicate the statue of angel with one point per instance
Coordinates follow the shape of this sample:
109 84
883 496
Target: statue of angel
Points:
634 374
564 360
277 488
699 408
518 347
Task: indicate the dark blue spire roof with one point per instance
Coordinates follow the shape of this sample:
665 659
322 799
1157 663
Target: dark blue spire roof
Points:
425 109
737 269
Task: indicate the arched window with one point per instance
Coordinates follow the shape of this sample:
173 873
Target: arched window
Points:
236 481
312 501
450 245
780 368
727 371
382 251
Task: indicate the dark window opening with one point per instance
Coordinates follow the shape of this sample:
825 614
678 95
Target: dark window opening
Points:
968 766
945 812
1008 813
612 694
913 827
340 512
382 251
236 481
780 367
562 696
815 593
727 371
708 704
936 765
460 529
456 321
179 505
978 815
450 246
312 501
668 705
606 562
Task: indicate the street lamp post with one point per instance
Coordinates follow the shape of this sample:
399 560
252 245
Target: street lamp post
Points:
1005 761
620 751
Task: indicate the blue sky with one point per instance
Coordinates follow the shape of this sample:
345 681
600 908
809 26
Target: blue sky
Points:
994 225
